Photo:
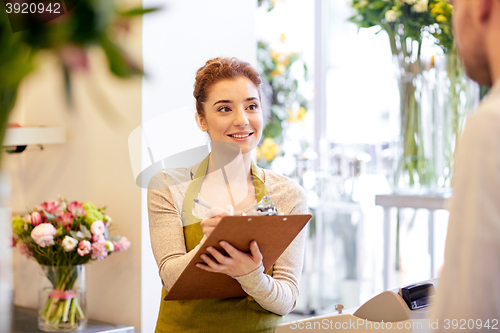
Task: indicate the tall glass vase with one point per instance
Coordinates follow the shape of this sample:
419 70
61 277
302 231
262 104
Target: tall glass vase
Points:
454 96
435 99
62 305
413 161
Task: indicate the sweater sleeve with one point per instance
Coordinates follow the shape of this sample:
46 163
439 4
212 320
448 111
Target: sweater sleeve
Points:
167 235
279 293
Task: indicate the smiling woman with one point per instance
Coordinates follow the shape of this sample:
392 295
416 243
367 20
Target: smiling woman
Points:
233 113
229 110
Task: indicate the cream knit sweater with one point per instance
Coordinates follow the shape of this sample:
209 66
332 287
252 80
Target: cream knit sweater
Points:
278 293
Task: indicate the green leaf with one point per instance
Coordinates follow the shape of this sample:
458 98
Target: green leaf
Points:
50 217
377 4
279 111
138 11
85 232
118 61
273 128
77 235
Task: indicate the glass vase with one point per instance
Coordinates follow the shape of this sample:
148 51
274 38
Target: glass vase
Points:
62 304
453 96
434 104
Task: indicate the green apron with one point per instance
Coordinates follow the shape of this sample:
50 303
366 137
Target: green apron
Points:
241 314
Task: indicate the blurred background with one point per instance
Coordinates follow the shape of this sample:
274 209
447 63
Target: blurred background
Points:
364 105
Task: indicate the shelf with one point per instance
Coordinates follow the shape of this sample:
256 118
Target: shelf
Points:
24 136
26 321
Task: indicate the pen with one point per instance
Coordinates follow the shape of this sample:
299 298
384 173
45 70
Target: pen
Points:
203 203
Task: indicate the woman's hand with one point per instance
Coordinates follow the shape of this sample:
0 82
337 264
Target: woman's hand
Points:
237 264
214 216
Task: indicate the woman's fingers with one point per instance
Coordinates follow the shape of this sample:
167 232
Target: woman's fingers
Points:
210 222
222 259
210 266
237 254
254 249
231 250
236 264
217 211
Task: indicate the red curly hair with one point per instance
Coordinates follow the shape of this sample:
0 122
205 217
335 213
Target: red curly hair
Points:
218 69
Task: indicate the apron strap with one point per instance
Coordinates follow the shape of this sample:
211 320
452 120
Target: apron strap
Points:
192 192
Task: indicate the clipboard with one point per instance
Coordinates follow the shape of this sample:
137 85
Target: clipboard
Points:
273 234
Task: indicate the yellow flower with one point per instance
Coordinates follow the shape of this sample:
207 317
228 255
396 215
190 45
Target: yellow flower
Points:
269 149
283 38
292 118
441 18
296 117
274 55
302 113
280 68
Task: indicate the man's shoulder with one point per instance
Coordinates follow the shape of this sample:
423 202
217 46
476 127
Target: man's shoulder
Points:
486 119
489 108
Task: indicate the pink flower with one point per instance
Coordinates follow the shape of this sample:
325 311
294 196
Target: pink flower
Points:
49 206
84 248
61 208
36 218
99 250
97 228
74 57
24 249
43 234
98 238
27 218
76 208
65 220
122 245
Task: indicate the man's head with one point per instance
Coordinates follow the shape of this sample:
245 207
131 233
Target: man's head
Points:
476 26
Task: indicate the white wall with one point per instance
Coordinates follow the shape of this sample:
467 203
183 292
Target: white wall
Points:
94 162
92 165
176 42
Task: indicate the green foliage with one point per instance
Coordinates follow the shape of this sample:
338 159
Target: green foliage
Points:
282 91
409 19
91 23
269 3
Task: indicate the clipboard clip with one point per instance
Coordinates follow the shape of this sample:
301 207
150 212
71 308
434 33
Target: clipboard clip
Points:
266 207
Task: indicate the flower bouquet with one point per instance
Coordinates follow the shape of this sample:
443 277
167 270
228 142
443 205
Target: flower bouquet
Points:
62 237
410 25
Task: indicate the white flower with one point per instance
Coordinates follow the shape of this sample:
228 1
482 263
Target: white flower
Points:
97 228
421 6
410 2
43 234
69 243
390 16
